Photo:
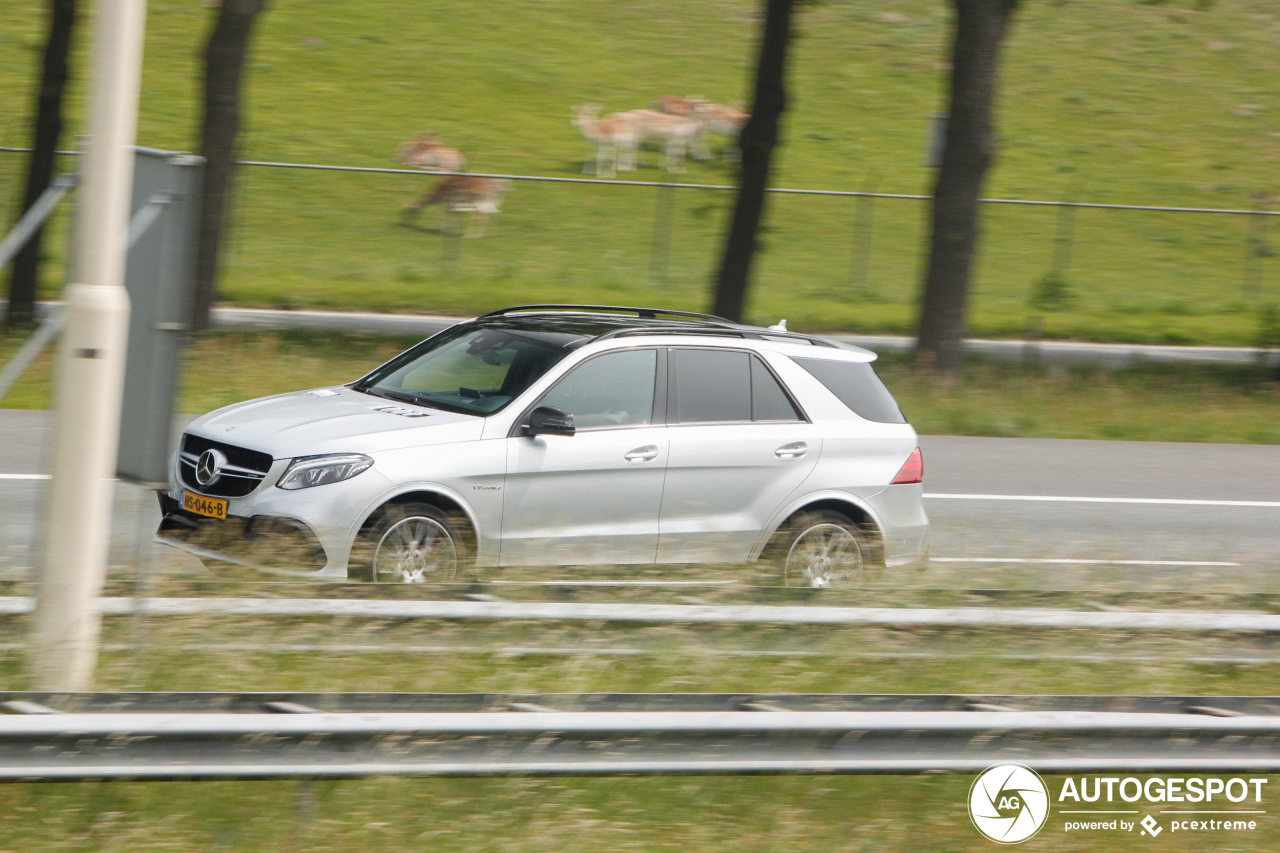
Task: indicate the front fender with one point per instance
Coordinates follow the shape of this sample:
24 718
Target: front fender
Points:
484 537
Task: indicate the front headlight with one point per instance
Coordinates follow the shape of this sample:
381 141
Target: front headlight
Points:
307 471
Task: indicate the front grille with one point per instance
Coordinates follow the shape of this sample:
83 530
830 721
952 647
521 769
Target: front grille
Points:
241 474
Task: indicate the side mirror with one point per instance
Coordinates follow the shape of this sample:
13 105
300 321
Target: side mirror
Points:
548 420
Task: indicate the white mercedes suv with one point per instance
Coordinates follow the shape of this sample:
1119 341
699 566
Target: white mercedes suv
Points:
564 435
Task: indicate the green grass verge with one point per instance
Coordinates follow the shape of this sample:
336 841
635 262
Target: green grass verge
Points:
1152 403
1169 103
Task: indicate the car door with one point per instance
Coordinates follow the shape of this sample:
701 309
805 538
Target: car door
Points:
739 447
592 497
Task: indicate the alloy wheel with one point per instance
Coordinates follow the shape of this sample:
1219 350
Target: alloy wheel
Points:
415 550
822 555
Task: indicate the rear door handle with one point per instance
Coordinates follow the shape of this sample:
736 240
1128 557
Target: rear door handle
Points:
643 454
794 450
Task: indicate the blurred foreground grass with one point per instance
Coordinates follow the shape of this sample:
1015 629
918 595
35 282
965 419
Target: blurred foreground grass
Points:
1150 403
673 813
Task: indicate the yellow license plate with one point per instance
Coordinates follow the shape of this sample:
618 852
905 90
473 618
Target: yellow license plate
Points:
212 507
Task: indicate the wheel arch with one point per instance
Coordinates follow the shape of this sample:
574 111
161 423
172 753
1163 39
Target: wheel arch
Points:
441 498
847 505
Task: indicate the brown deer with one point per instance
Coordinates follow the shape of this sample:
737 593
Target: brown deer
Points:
427 154
678 106
724 120
677 133
616 137
463 194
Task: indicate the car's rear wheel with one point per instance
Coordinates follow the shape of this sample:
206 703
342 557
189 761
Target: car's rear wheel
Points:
411 543
821 549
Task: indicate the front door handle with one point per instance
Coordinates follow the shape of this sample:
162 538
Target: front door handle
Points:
643 454
794 450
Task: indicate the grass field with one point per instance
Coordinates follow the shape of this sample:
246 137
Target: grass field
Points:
1149 103
1153 403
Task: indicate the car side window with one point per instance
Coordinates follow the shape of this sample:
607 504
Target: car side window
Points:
857 386
614 389
717 386
768 401
710 386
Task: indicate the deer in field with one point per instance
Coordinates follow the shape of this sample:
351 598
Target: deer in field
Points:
724 120
713 118
480 198
426 153
616 137
677 106
676 133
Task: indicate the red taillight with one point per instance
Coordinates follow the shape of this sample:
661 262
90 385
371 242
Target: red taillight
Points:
912 471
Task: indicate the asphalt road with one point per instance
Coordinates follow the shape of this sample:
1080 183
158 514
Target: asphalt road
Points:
1125 535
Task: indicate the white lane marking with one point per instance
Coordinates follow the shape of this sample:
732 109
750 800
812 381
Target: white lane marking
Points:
1068 561
24 476
1164 501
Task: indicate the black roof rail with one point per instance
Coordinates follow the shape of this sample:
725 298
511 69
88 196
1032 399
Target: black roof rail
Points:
643 313
753 334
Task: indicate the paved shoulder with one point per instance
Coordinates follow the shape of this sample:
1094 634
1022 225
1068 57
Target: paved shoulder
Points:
1136 469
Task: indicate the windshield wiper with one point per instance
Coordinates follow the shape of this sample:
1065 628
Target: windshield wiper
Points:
398 396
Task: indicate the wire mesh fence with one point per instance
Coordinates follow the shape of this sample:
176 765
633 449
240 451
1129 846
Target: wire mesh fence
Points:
1087 267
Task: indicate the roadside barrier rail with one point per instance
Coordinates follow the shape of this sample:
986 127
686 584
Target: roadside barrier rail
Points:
285 737
1126 620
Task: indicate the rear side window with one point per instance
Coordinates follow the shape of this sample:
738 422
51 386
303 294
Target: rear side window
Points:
725 385
857 386
768 401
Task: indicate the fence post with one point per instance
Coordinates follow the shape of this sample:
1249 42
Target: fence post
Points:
1255 245
660 245
1062 245
864 219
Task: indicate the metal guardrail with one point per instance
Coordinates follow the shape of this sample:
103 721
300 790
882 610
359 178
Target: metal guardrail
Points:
1130 620
284 737
1108 356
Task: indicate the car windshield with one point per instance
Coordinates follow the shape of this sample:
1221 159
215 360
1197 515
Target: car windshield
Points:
469 370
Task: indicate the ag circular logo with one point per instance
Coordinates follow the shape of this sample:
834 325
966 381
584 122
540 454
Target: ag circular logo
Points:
1008 803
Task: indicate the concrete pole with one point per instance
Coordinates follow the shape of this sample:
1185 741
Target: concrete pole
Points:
90 366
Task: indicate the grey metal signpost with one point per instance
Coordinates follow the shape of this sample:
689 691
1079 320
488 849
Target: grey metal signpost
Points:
158 277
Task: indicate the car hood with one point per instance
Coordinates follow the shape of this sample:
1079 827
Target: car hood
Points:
332 420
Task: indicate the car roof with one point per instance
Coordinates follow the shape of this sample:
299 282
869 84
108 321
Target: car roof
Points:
569 327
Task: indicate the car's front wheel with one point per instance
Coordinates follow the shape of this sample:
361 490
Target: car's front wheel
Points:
411 543
821 549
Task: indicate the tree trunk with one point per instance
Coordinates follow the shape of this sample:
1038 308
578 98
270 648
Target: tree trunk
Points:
756 141
25 276
223 66
980 26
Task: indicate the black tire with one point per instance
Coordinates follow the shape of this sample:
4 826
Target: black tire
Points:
390 549
821 548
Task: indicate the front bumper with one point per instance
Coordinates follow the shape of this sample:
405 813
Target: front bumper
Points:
270 543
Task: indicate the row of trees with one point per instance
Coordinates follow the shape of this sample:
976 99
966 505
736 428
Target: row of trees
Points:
978 33
224 57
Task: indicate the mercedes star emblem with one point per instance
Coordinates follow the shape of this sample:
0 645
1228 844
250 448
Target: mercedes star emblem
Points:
209 467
